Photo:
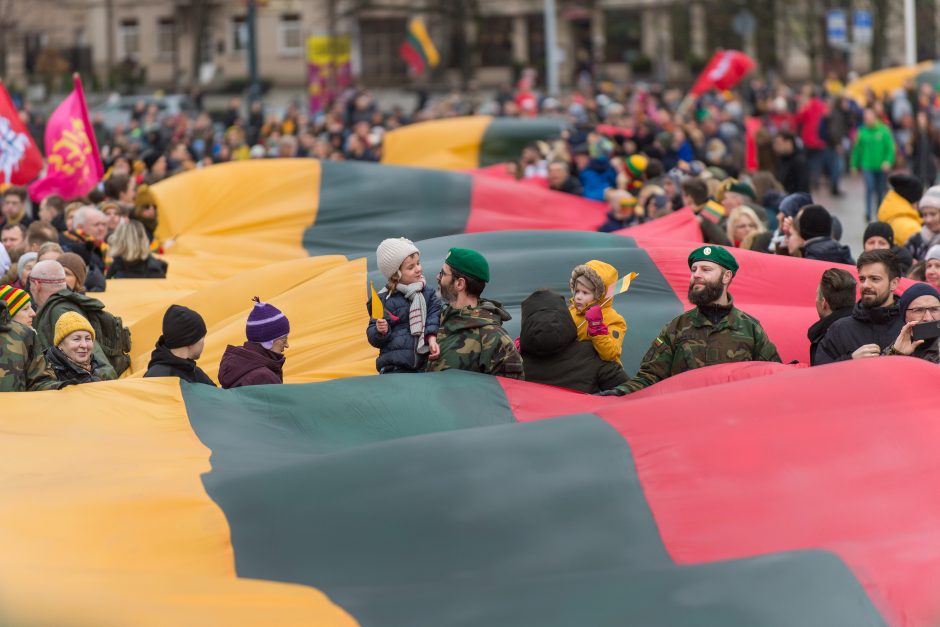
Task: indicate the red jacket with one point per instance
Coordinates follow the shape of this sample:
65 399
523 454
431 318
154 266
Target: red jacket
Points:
250 364
808 120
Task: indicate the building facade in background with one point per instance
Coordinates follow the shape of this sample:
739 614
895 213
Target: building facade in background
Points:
172 43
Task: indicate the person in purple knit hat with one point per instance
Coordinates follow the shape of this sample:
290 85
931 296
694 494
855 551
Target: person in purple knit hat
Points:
260 360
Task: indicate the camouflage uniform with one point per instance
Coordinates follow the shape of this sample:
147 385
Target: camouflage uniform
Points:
58 304
472 338
22 366
691 341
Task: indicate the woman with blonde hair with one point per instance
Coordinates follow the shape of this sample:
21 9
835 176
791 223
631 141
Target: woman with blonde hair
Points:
742 222
130 254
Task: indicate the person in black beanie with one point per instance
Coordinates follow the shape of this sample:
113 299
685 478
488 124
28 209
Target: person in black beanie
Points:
880 235
184 336
811 237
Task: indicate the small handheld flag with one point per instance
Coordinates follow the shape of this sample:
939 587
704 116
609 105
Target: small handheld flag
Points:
378 310
624 284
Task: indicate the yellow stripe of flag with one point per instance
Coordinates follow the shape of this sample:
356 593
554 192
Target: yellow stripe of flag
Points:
625 283
419 32
378 310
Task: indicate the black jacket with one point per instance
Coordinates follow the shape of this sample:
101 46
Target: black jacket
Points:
827 249
150 268
550 348
880 325
68 371
570 186
793 173
397 348
818 331
163 363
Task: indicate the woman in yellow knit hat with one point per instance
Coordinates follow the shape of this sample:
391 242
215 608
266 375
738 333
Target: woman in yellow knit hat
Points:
71 356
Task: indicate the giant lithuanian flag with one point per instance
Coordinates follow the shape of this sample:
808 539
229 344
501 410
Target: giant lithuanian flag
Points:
741 494
466 143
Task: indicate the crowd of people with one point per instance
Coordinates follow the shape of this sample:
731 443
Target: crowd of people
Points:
745 163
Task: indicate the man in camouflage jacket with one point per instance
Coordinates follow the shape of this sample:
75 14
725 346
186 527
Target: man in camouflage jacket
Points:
22 366
715 332
471 335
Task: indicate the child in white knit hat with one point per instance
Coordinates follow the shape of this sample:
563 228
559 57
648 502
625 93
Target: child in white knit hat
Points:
406 335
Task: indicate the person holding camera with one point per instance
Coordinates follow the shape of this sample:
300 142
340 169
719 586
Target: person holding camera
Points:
920 303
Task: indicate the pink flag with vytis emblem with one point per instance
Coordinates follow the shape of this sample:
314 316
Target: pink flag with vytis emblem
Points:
725 70
73 164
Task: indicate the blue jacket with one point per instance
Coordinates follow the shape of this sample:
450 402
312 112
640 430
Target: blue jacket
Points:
597 177
397 347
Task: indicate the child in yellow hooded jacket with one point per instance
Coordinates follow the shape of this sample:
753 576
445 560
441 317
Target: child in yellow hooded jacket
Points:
591 307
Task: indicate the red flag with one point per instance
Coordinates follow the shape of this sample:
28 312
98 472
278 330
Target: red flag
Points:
20 161
73 162
725 70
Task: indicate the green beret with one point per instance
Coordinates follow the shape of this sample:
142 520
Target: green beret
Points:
715 254
740 187
468 262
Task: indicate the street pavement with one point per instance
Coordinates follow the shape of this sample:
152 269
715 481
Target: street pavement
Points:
849 208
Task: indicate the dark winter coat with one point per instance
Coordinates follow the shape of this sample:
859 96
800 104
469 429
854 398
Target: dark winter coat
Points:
69 372
614 223
250 364
921 242
164 363
398 348
793 173
817 332
571 186
72 242
905 259
552 354
878 325
150 268
827 249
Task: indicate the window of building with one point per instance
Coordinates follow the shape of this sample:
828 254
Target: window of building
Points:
128 39
289 35
380 39
166 37
535 27
681 33
495 41
239 34
623 32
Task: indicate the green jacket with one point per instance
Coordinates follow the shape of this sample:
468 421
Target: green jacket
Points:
873 147
22 366
58 304
691 341
473 338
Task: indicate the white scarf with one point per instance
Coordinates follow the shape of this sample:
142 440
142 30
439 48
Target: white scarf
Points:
417 313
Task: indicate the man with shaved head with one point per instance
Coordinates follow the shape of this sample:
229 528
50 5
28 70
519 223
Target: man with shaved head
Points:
53 298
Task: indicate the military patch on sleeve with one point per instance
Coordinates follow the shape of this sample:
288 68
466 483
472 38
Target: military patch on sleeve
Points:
658 342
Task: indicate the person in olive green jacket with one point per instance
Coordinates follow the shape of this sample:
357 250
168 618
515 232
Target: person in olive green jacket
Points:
715 332
47 283
22 365
471 336
874 154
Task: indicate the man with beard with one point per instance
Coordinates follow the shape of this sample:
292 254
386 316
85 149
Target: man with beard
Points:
876 319
715 332
471 336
